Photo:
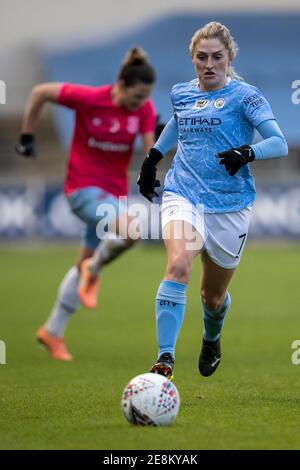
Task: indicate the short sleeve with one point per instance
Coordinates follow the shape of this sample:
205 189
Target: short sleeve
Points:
148 118
77 96
256 108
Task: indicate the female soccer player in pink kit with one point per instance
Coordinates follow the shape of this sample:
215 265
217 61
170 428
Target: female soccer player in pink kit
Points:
108 119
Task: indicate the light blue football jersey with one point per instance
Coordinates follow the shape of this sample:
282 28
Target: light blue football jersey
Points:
211 122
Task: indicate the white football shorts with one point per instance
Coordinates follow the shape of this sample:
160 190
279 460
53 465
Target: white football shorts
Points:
224 235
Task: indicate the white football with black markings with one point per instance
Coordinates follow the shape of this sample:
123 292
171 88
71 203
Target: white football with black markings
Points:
150 400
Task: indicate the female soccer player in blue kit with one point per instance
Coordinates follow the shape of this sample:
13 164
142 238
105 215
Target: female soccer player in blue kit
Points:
209 188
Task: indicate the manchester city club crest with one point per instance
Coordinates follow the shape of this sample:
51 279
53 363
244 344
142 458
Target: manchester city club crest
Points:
172 210
219 103
201 104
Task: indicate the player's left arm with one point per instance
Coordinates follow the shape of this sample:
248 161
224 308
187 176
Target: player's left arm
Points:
258 112
273 144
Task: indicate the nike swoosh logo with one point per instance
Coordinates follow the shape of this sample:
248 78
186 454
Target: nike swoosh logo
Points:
213 364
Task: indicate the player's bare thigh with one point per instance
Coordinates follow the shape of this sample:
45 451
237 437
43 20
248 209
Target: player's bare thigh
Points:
182 243
214 282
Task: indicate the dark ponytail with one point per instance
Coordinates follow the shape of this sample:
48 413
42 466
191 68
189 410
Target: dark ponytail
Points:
136 68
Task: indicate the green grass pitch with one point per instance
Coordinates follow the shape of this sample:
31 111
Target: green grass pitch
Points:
251 402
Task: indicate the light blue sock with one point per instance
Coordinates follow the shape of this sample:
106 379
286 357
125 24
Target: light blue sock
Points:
170 306
214 319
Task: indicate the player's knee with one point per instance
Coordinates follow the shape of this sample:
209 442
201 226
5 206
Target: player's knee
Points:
179 269
212 301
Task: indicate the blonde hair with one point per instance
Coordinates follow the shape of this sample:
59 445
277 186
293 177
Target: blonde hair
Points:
217 30
136 68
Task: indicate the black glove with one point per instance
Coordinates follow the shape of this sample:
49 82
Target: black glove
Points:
235 158
26 146
147 178
159 127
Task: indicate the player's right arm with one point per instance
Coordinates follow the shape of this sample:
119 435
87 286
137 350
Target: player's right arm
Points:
40 94
147 178
168 138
